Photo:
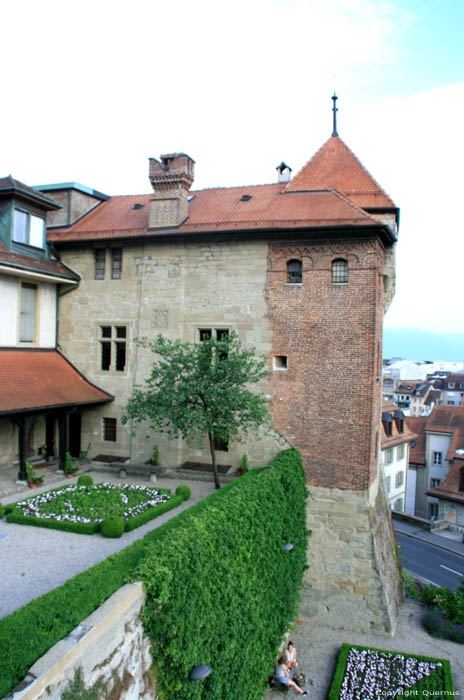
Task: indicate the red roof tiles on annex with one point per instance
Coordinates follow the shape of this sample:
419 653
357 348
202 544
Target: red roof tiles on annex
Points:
221 209
34 379
335 167
47 267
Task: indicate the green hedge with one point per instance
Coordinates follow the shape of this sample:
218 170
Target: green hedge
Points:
29 632
442 682
151 513
222 591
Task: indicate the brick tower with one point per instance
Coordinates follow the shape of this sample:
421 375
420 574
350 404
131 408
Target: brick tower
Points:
328 333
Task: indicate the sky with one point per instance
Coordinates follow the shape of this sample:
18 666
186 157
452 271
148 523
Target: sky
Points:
91 90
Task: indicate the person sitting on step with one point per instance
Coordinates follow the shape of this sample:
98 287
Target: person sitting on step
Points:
282 675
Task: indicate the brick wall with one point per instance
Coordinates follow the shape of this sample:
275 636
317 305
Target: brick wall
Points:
327 402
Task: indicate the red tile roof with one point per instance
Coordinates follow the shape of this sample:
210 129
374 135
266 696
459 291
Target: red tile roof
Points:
35 379
335 167
449 489
221 209
396 438
417 450
35 263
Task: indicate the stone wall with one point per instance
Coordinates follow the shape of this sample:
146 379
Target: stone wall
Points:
353 581
174 289
107 651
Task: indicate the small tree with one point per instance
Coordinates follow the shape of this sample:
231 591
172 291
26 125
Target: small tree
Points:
201 389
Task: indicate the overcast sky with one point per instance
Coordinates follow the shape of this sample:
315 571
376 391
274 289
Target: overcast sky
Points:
92 89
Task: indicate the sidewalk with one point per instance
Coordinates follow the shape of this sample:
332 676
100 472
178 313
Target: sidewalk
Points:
446 540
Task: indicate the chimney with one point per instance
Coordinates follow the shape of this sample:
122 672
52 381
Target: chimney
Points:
285 172
171 178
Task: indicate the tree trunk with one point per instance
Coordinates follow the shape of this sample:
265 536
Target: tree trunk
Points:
213 459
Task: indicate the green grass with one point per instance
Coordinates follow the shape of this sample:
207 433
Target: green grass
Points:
394 673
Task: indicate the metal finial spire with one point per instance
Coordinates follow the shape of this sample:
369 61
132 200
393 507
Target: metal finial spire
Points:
334 110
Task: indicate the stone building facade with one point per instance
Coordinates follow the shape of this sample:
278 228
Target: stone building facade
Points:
302 271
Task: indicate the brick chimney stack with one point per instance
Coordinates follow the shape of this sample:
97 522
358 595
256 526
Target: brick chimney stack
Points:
171 178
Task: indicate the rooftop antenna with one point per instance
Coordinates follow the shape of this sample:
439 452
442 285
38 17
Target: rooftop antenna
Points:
334 110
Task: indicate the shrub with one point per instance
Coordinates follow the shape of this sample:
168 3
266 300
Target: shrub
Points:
2 510
68 466
244 463
430 594
85 480
434 622
152 513
113 526
223 590
184 491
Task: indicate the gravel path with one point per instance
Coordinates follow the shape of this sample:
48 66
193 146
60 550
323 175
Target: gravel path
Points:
35 560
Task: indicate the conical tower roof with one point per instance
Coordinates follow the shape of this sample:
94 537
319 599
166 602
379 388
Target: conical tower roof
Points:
335 167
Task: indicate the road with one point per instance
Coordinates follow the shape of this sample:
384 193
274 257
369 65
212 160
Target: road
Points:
437 565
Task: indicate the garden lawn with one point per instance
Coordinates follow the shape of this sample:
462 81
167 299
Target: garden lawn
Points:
362 674
82 509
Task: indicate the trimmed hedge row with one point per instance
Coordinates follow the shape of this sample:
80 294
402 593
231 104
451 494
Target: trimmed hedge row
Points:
444 682
222 591
29 632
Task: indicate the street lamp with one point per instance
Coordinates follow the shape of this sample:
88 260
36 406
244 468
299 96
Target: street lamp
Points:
199 672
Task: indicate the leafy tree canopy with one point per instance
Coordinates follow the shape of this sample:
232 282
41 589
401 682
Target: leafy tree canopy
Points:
198 389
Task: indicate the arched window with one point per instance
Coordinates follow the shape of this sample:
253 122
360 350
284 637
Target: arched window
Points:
340 270
294 272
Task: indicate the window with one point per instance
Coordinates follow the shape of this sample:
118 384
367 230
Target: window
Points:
100 264
116 263
434 483
27 313
221 445
294 272
450 385
388 484
437 457
280 362
433 511
113 345
398 505
109 429
340 271
400 452
28 229
461 479
388 456
399 479
218 333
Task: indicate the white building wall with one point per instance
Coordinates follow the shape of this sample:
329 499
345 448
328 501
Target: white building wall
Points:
46 316
9 297
10 292
391 470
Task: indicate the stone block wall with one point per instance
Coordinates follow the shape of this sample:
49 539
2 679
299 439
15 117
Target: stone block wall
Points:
107 650
174 288
352 582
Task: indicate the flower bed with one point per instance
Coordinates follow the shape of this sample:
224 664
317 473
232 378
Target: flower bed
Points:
83 508
362 674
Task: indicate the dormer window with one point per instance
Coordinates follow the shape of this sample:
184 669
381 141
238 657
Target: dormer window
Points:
387 424
294 272
28 229
399 420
